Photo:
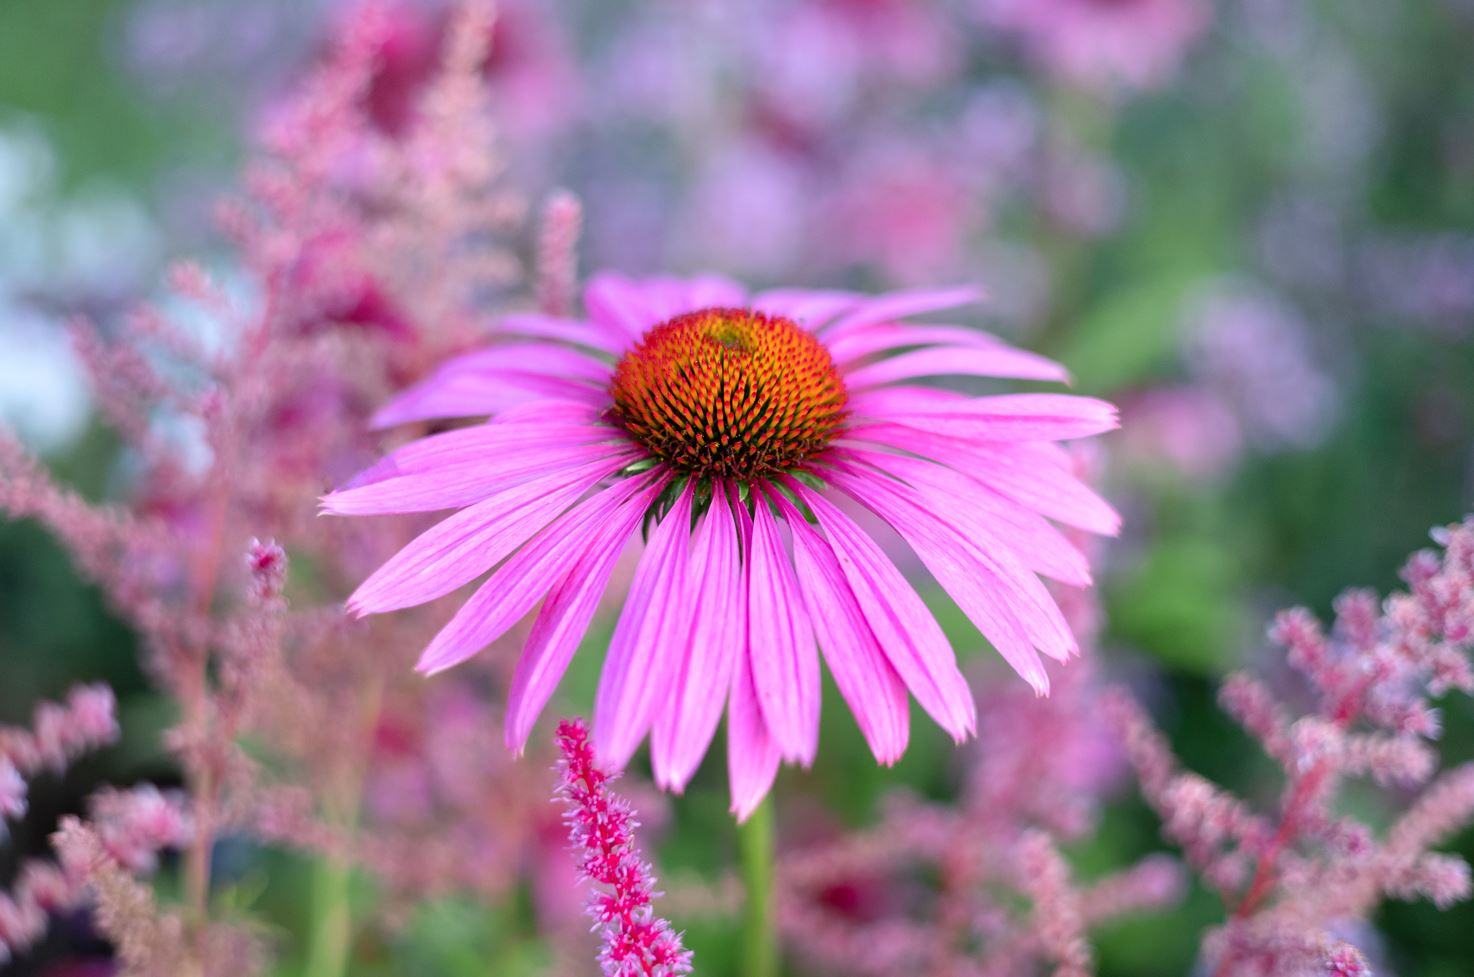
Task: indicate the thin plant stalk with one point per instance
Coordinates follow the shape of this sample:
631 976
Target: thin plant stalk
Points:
759 935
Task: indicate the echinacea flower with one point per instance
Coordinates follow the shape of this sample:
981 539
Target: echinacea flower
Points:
737 433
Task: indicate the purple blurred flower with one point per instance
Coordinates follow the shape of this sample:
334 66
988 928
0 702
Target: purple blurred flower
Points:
1253 350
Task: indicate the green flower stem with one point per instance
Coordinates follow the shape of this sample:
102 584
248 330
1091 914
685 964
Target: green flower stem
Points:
759 937
332 932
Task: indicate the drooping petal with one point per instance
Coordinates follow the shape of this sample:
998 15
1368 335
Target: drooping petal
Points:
465 545
1032 474
648 641
941 361
866 679
519 583
684 728
752 753
785 664
1024 472
453 485
1008 417
1002 599
910 636
560 627
986 516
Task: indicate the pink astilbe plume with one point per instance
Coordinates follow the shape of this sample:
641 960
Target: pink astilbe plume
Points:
637 943
367 257
127 828
1298 877
59 733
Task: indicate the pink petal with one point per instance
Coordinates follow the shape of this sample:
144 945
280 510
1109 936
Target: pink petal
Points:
752 753
866 679
675 296
1028 473
901 305
684 728
618 305
908 634
941 361
492 379
567 330
465 545
810 309
542 359
649 640
519 583
1010 417
452 485
1022 472
1002 599
473 395
550 411
463 444
878 339
561 624
986 516
785 664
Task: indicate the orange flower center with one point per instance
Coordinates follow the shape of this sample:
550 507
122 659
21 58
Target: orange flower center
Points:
729 393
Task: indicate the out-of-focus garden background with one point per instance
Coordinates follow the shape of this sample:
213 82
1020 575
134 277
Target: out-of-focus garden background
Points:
1254 232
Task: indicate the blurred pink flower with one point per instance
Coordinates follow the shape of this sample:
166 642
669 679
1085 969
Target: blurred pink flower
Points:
906 209
1103 43
715 416
527 65
12 793
1184 427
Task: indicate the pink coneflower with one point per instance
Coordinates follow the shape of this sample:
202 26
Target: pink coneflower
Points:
733 432
1136 43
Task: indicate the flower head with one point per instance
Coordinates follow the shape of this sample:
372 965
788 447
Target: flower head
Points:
739 431
729 393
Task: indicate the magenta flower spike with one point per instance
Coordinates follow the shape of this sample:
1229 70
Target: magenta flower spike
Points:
737 435
601 827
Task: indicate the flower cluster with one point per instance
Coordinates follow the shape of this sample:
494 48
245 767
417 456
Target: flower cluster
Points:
130 826
366 255
1299 878
59 733
637 943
